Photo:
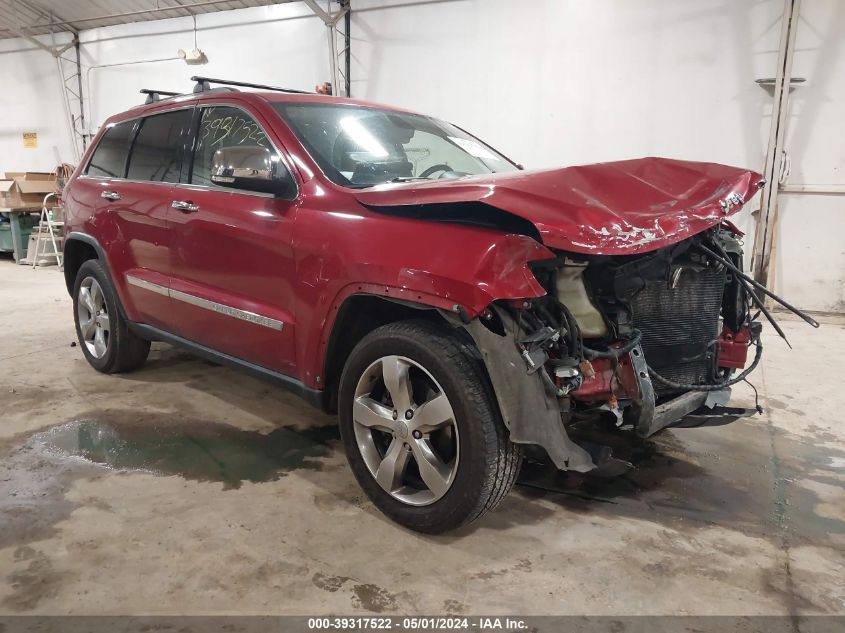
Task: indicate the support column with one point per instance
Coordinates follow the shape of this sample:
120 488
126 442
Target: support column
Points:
339 78
764 233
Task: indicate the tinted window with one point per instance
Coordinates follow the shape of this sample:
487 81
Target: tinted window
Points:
109 158
157 150
222 127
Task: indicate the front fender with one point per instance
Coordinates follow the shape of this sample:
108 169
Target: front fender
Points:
434 265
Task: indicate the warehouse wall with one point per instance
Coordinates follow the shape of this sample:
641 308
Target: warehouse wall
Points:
31 102
282 44
620 79
809 257
606 80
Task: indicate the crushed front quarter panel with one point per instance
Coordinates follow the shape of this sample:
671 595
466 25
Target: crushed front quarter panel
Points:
531 414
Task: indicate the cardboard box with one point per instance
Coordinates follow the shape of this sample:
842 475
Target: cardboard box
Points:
27 189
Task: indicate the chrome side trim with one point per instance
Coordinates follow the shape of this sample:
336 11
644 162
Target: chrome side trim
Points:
220 308
147 285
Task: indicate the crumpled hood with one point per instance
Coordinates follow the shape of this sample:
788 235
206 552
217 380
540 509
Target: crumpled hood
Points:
617 208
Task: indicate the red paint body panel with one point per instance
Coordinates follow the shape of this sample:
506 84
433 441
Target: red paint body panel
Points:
298 261
620 208
607 382
733 348
236 250
135 230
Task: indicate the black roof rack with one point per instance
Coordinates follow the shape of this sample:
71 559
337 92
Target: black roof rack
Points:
155 95
204 84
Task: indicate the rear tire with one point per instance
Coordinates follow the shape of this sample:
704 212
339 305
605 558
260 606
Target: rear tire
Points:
104 336
444 461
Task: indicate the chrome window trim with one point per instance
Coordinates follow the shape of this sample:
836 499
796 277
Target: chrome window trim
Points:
186 186
213 306
211 104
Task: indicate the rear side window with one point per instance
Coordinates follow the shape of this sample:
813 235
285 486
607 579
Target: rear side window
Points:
157 150
109 158
221 127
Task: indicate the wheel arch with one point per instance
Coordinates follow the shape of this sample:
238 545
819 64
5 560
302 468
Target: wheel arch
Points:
79 248
358 315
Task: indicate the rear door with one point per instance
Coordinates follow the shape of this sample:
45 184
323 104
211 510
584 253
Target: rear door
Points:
125 185
141 210
232 256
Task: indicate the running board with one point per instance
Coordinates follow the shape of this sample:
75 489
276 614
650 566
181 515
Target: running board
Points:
314 397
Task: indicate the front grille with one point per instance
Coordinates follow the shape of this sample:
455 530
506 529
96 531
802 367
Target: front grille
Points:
679 325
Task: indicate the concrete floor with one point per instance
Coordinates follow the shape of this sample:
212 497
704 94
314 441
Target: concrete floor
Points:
229 496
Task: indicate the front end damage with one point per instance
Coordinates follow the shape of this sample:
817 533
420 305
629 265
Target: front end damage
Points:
637 313
638 342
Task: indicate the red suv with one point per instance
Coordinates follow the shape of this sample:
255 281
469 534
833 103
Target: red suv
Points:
454 309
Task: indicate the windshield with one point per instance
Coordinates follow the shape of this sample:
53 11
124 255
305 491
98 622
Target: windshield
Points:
359 146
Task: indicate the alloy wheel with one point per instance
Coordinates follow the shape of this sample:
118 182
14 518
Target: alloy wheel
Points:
405 430
93 317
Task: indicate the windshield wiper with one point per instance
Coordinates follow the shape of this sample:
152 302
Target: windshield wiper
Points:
397 179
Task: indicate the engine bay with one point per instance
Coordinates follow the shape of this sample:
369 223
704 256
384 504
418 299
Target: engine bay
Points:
618 337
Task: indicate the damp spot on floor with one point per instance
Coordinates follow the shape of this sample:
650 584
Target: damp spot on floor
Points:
193 449
373 598
453 606
329 583
37 469
690 479
776 404
37 580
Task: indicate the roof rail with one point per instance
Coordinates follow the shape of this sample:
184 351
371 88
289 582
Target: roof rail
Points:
155 95
204 84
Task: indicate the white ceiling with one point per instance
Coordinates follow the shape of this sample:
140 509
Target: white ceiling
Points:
40 17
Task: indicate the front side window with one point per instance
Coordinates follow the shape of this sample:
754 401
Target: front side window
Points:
109 158
222 127
359 146
157 150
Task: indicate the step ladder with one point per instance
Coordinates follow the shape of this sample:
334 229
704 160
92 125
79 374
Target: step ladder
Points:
47 220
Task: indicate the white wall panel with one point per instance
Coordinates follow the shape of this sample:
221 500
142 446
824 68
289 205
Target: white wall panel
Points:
809 262
563 82
282 44
566 81
31 101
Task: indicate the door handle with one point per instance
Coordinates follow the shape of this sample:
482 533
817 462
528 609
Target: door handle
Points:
185 206
110 195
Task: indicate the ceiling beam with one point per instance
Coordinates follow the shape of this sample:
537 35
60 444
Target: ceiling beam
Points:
49 15
31 39
127 14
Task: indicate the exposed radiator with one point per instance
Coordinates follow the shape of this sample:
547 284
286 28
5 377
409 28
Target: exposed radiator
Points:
680 324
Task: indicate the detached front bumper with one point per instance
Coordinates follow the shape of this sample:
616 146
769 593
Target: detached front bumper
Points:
533 416
688 410
693 409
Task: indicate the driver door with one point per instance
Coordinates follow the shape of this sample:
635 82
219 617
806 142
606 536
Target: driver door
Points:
232 256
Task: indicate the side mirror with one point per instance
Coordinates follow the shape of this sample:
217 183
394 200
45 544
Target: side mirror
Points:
252 168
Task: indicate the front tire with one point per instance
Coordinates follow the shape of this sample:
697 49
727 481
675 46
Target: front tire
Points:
104 336
422 432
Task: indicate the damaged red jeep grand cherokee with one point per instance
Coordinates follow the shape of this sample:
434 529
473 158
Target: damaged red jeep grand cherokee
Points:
454 309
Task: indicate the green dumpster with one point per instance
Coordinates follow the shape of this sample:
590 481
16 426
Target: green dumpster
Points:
28 222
